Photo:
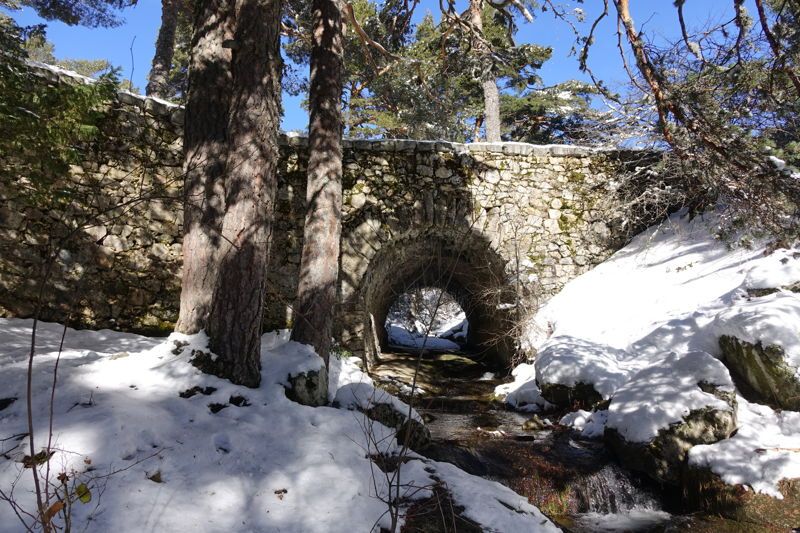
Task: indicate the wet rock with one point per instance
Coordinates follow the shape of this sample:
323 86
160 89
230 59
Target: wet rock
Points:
705 491
534 423
765 370
309 388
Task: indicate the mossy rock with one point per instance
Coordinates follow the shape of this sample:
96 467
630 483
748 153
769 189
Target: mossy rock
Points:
664 457
764 369
705 491
581 395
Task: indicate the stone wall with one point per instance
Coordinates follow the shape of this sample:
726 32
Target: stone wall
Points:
492 223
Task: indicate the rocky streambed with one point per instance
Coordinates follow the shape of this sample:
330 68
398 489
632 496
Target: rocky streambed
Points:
576 482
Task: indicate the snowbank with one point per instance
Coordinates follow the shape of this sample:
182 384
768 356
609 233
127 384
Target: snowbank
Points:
228 458
643 328
762 451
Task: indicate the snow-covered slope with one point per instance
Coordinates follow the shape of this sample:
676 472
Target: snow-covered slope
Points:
261 463
643 322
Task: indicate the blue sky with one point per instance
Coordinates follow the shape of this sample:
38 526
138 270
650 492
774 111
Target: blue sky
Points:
130 46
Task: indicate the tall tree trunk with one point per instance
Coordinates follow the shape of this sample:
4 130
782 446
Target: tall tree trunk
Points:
491 94
204 144
231 163
491 110
319 264
165 47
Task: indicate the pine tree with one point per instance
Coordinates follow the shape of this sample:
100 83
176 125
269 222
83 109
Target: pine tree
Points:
165 48
231 154
319 265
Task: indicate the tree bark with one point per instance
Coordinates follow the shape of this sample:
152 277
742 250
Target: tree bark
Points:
491 110
491 94
231 161
204 144
165 47
319 264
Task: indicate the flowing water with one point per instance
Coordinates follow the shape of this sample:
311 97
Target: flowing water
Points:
576 482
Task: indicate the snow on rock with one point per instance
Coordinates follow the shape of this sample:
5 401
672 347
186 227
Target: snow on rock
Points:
284 359
523 393
778 269
492 504
770 320
675 289
569 361
399 336
365 396
344 371
764 449
256 462
591 425
665 393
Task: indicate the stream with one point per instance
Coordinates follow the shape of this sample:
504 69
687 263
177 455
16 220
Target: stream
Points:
576 482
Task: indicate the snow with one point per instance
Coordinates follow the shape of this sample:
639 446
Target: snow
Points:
269 465
643 328
666 392
399 336
492 504
778 269
590 425
523 393
567 360
771 319
764 449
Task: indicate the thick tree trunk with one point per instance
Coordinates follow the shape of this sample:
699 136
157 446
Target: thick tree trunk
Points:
165 47
491 94
231 181
205 137
319 266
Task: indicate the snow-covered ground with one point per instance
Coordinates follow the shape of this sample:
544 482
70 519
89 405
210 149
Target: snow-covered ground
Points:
427 318
261 463
643 328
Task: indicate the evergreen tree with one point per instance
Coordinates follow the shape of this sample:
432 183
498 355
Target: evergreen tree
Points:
725 101
231 155
319 265
165 47
74 12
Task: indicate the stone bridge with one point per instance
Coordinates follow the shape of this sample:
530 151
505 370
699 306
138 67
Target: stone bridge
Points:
499 226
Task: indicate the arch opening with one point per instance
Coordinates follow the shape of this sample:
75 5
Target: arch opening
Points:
427 319
461 263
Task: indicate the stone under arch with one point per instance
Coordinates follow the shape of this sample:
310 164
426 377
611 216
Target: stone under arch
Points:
460 261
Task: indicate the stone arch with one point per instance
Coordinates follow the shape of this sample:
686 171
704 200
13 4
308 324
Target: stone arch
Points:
458 259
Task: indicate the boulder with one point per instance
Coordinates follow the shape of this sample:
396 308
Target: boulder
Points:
309 388
382 407
415 431
666 409
705 491
764 369
574 372
663 457
581 395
